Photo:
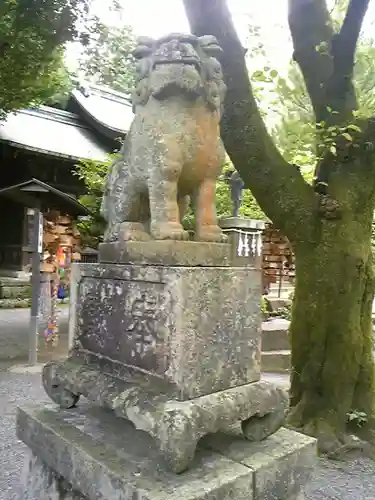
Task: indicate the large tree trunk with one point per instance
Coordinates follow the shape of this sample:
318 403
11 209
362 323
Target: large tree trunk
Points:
331 329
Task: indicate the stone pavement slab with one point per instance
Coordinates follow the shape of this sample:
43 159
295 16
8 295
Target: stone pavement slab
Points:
82 445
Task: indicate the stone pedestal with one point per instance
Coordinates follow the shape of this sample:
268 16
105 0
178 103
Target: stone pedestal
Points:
196 329
89 454
167 336
173 347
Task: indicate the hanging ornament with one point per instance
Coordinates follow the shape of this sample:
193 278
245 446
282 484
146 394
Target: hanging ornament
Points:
51 332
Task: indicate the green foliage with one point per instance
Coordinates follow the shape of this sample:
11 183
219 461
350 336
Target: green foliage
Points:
282 312
249 207
264 308
224 207
93 174
285 103
107 55
296 133
364 76
373 239
357 417
57 86
32 35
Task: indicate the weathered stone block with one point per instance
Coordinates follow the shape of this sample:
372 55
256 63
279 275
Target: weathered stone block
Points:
176 426
166 253
40 482
281 474
196 328
78 453
84 447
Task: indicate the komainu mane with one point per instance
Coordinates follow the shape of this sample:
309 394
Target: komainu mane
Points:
173 152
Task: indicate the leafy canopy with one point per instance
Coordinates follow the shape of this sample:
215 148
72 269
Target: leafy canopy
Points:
288 111
32 37
107 54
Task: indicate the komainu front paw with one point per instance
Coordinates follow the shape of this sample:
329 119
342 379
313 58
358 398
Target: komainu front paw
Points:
212 234
134 231
168 231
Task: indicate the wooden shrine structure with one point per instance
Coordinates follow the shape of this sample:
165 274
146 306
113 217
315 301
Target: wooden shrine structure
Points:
45 144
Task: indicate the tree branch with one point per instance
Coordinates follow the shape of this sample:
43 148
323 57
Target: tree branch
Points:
326 61
345 42
278 186
312 33
340 89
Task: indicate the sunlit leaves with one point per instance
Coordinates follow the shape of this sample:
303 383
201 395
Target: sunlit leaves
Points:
301 140
93 174
347 136
286 106
354 127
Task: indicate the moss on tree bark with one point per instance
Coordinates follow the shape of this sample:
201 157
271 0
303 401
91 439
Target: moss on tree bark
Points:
331 333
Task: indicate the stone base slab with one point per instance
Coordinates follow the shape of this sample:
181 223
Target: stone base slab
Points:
166 253
89 454
177 426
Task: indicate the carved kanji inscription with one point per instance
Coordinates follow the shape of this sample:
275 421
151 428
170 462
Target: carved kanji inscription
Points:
127 321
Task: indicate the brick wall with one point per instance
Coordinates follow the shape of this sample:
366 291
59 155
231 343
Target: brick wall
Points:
278 258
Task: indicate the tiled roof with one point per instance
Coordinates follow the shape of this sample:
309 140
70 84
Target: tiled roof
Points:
52 132
108 111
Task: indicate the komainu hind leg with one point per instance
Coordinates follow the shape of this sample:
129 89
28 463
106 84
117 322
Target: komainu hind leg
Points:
207 228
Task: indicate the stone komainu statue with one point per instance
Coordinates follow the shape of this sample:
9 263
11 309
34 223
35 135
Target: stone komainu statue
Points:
173 152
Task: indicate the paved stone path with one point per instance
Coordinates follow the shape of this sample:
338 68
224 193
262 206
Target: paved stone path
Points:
350 480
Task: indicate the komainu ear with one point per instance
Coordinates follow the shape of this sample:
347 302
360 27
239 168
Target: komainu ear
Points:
210 45
144 47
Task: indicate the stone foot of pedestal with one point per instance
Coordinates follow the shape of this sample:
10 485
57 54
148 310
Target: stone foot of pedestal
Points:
177 426
87 453
40 482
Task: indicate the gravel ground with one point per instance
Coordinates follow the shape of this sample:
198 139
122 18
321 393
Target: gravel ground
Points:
15 390
351 480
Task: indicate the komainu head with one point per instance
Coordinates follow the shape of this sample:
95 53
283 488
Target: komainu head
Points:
179 65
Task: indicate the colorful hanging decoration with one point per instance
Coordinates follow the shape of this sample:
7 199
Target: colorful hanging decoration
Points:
51 332
58 291
61 241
